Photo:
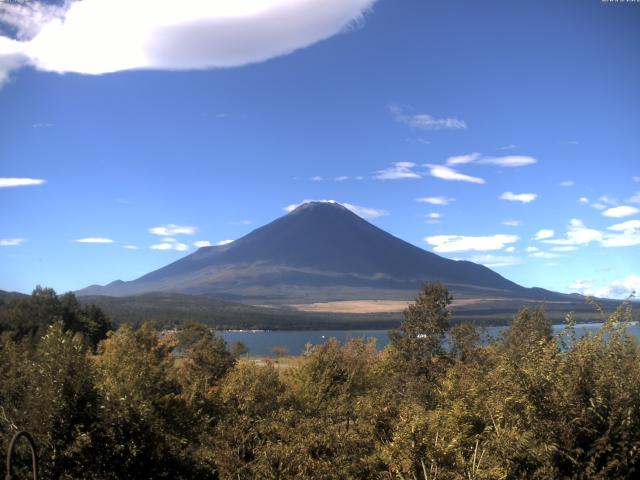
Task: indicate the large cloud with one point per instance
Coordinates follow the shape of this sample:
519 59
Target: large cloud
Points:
102 36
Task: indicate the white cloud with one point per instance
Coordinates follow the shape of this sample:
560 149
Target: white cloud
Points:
202 243
446 173
20 182
103 36
317 178
94 240
532 249
224 242
512 223
519 197
620 288
181 247
635 198
11 242
491 261
426 121
564 248
342 178
434 215
463 159
460 243
508 147
436 200
172 229
544 233
509 161
131 247
42 125
583 200
544 255
619 212
240 222
505 161
567 183
510 249
624 226
364 212
399 171
577 234
626 239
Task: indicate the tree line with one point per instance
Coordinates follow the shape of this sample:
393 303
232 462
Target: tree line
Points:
437 403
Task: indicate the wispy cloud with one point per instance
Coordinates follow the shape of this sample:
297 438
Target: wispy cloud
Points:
131 247
636 179
20 182
364 212
11 242
94 240
425 121
625 226
627 234
167 34
224 242
512 223
446 173
603 202
433 217
317 178
240 222
399 171
42 125
567 183
181 247
635 198
436 200
544 233
518 197
544 255
583 200
621 211
464 159
493 261
564 248
202 243
172 229
508 147
462 243
506 161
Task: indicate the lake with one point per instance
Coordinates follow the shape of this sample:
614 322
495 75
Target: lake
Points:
262 343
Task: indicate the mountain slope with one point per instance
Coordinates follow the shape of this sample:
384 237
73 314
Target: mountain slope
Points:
320 251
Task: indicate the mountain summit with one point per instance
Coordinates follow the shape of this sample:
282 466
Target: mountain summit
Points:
320 251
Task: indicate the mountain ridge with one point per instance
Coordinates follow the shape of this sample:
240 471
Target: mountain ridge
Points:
318 252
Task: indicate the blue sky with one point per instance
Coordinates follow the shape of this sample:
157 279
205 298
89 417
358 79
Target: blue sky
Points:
517 124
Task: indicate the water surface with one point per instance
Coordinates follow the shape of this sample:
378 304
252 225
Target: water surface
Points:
262 343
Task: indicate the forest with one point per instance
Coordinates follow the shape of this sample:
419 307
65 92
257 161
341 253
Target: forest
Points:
438 403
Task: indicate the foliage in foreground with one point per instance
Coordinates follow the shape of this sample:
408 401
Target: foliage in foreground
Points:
435 404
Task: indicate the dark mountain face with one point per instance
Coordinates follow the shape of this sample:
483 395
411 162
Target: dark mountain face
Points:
320 251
